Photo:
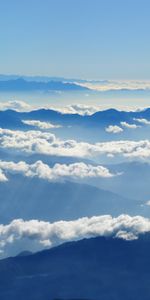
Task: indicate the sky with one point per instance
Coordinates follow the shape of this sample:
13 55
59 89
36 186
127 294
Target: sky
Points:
94 39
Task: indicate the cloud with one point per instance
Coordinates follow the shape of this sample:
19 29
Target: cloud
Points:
148 203
143 121
35 235
115 85
40 142
19 106
81 109
41 125
3 178
130 126
113 129
88 110
117 129
57 172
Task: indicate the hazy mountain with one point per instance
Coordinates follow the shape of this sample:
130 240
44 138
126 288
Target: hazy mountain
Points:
97 268
21 84
46 78
134 181
34 198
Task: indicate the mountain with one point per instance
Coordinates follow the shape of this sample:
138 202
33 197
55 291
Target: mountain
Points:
45 79
34 198
113 116
20 84
92 269
98 119
135 176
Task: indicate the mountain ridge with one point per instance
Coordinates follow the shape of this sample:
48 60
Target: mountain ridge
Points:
94 268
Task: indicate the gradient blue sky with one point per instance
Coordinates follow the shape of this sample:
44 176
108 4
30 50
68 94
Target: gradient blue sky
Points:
76 38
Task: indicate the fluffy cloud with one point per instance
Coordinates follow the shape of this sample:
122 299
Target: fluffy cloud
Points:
118 129
36 235
16 105
130 126
47 143
143 121
58 171
43 142
113 129
41 125
2 176
80 109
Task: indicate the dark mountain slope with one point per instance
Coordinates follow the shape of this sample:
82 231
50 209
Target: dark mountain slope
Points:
97 268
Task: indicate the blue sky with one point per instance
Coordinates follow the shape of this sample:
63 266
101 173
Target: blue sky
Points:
75 38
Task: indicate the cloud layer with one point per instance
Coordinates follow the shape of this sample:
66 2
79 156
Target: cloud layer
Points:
142 121
47 143
113 129
118 129
40 125
36 235
114 85
129 126
57 172
16 105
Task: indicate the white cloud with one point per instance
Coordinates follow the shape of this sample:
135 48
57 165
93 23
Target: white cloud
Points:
36 235
114 85
16 105
57 172
148 203
130 126
113 129
42 142
47 143
118 129
88 110
143 121
80 109
40 125
2 176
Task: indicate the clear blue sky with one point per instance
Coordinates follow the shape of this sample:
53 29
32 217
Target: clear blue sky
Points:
76 38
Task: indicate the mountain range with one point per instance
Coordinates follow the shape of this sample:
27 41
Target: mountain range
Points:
21 84
34 198
97 268
105 117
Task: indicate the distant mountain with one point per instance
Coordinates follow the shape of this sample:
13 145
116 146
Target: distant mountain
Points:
135 176
21 84
92 269
101 118
45 78
113 116
34 198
